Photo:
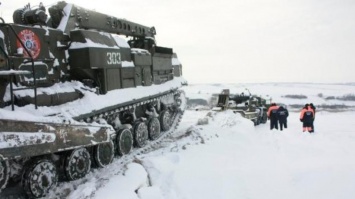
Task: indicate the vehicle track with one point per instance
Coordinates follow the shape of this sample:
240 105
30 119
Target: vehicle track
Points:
96 175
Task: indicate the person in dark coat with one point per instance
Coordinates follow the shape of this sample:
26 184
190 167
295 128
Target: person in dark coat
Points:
314 110
307 117
282 114
272 116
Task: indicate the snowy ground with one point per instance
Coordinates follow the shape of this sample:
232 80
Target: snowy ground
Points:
230 158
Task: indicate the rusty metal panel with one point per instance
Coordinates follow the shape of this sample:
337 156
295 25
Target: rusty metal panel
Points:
25 139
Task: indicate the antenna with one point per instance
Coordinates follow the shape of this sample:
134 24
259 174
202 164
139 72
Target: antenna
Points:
248 91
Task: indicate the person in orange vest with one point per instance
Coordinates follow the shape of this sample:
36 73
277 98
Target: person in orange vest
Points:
272 116
307 117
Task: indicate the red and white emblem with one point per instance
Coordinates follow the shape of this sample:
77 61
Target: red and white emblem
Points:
31 41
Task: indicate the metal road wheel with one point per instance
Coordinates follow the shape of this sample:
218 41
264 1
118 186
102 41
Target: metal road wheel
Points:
4 173
103 154
124 141
154 128
257 121
39 177
264 118
140 134
77 164
165 120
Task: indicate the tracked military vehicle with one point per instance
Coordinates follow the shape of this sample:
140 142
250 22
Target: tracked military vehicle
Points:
75 93
249 106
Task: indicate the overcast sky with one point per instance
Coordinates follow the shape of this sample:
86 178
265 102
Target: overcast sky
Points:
239 41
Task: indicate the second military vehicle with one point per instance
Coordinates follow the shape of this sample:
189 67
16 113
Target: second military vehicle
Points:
249 106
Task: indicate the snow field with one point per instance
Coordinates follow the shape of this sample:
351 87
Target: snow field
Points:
230 158
238 160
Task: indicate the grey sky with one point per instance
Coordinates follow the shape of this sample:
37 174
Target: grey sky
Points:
232 41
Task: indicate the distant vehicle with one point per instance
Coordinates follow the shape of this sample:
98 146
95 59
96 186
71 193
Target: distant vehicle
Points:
249 106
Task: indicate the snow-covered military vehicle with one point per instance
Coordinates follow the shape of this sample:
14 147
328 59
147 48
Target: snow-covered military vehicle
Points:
249 106
74 92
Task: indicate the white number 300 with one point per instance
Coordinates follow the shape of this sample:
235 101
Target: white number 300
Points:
113 58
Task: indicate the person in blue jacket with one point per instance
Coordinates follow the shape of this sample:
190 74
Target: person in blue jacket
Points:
282 114
314 112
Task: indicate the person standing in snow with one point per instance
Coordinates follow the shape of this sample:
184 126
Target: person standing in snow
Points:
272 116
307 117
282 114
314 112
